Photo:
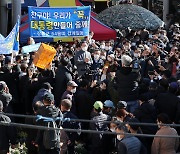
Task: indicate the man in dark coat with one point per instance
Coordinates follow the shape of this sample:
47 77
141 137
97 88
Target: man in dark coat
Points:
168 103
146 113
127 143
84 101
46 88
127 83
48 110
7 133
63 76
66 105
69 94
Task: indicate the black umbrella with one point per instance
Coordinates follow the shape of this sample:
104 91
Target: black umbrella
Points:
129 15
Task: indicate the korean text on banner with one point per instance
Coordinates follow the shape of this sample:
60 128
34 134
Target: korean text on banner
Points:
44 56
59 22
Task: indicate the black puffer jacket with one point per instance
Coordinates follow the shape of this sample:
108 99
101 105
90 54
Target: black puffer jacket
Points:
127 84
49 111
146 113
63 76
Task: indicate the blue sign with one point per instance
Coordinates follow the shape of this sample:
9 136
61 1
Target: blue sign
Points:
59 22
31 48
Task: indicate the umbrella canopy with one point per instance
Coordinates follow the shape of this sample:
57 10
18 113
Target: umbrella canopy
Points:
129 15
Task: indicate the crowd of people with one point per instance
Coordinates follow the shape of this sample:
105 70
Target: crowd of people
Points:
132 79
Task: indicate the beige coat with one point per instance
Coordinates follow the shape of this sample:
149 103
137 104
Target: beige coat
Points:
165 145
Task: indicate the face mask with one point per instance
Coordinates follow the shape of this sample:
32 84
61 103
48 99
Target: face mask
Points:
102 87
113 130
136 55
109 59
159 126
102 46
119 120
96 57
103 57
170 45
150 36
73 90
166 60
106 48
84 48
137 39
119 137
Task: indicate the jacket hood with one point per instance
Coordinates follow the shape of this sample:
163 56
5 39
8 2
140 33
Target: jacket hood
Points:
42 91
125 70
49 111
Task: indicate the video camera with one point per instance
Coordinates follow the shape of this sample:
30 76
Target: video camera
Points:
90 74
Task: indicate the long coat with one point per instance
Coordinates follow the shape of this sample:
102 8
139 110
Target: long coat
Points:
63 76
165 145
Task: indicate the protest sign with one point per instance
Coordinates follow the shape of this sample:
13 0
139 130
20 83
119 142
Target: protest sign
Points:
31 48
59 22
44 56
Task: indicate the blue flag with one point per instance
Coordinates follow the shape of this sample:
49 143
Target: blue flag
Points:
16 39
1 38
11 42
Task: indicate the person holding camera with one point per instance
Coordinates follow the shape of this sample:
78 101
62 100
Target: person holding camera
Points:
5 96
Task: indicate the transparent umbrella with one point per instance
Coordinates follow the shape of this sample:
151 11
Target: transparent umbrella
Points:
129 15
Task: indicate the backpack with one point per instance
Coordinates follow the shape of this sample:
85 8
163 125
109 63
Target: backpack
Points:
51 138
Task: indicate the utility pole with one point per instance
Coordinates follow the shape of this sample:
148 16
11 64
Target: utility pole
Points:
16 11
150 5
3 17
165 11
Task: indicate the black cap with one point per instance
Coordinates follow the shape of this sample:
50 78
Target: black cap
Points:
48 97
47 85
121 105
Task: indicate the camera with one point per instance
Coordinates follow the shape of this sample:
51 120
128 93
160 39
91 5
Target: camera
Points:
90 74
